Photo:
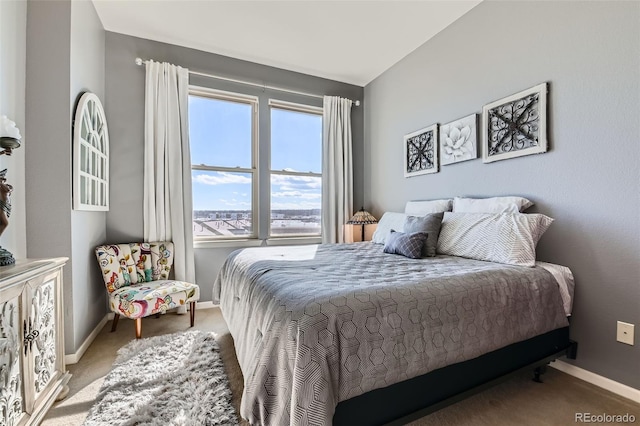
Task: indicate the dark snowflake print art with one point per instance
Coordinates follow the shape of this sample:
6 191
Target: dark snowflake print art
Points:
516 125
421 152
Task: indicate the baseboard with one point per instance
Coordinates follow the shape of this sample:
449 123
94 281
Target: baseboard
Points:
205 305
75 357
600 381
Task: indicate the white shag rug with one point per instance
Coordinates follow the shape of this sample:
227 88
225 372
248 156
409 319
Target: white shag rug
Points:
176 379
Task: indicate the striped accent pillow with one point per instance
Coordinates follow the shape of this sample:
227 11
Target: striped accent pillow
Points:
509 238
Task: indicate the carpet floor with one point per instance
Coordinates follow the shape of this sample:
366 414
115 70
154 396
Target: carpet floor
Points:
518 400
150 378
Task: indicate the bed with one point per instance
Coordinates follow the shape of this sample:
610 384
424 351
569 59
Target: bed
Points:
345 333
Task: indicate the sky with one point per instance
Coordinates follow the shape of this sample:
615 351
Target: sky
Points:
220 135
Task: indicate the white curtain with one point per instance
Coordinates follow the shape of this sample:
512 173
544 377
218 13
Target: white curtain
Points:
337 168
167 164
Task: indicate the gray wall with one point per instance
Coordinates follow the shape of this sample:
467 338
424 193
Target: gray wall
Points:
48 153
13 46
88 229
65 55
125 112
588 182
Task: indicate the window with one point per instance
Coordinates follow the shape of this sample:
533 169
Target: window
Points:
223 139
228 178
296 169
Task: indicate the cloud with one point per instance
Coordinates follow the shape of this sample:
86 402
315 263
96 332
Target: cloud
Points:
233 203
293 183
221 178
289 192
296 194
305 205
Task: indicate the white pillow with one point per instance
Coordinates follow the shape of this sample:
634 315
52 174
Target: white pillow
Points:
491 205
388 221
421 208
509 238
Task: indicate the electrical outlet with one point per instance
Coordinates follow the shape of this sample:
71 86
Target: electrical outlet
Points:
625 333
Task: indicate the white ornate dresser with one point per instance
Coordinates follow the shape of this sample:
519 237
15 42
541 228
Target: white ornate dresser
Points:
32 370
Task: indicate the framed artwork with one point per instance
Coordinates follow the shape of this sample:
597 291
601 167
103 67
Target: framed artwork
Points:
516 125
421 152
459 140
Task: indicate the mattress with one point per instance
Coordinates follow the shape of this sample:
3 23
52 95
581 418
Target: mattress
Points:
316 325
566 283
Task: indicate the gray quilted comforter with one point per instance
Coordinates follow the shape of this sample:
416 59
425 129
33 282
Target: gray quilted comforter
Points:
316 325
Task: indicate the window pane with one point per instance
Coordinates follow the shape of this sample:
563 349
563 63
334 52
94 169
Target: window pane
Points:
296 141
295 205
221 204
220 132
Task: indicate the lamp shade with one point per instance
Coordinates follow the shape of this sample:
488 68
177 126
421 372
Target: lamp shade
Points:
362 217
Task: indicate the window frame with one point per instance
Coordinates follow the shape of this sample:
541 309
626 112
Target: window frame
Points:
253 101
302 108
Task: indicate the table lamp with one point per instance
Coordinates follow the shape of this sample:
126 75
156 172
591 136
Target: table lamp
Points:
362 218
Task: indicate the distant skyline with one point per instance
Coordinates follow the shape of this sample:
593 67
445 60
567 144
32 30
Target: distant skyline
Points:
220 135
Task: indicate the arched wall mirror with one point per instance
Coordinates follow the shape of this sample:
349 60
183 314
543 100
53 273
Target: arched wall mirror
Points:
90 155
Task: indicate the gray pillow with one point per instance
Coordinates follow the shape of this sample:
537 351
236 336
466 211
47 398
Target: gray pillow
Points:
430 224
408 245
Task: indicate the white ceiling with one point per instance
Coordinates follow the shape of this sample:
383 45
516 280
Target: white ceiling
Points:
349 41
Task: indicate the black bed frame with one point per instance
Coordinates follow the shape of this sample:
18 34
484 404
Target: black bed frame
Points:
409 400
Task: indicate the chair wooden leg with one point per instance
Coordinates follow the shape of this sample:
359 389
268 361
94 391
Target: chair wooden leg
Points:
158 315
138 328
192 312
114 324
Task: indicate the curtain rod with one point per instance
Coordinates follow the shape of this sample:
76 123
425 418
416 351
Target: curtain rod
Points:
141 62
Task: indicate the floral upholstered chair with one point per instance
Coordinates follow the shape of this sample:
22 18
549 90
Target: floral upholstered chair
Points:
137 279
